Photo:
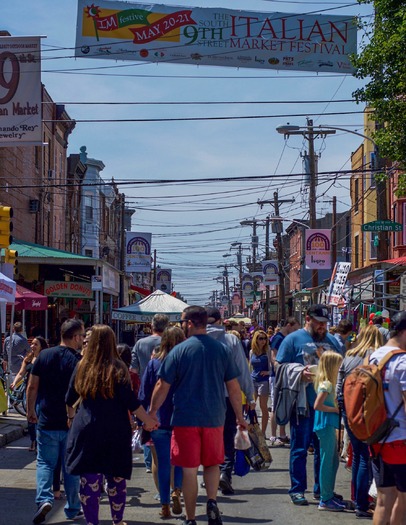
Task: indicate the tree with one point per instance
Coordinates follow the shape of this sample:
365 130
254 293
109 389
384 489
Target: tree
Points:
382 61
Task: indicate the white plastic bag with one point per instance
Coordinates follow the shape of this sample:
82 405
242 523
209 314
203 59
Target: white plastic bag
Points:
136 441
242 440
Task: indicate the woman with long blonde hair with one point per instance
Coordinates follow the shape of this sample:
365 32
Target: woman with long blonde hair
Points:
259 361
368 340
326 422
99 441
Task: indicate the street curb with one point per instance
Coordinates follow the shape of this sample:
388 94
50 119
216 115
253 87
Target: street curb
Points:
11 430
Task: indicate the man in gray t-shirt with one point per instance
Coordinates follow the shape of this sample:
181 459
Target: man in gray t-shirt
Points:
15 345
141 353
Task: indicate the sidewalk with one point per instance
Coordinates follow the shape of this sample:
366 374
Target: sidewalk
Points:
12 427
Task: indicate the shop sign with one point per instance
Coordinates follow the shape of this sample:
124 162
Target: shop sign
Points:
69 289
402 292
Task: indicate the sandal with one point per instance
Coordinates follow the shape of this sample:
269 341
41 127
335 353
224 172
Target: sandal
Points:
33 446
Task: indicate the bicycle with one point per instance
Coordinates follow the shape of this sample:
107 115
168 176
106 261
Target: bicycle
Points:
17 396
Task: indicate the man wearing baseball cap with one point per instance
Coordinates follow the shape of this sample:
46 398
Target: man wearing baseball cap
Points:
305 347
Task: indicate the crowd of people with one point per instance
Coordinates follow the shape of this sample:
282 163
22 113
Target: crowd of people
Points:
184 389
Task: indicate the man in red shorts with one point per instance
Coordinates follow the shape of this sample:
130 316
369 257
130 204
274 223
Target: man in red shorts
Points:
198 369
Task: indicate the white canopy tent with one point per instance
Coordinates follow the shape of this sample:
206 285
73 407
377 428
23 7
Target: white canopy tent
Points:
158 302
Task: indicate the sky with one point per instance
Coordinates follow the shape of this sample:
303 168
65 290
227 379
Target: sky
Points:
194 223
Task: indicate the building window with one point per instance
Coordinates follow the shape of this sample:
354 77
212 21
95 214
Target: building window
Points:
88 213
364 246
356 251
356 195
89 253
373 167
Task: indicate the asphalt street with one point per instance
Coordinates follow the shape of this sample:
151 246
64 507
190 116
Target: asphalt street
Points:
260 497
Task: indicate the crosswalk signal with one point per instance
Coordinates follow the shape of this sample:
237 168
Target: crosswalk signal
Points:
11 257
6 226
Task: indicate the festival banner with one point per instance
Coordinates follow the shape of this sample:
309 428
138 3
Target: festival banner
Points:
20 91
270 269
246 278
318 249
235 299
248 290
164 280
258 278
337 283
215 36
137 252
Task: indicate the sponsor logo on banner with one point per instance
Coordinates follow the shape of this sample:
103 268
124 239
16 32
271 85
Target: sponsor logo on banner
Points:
235 299
318 249
138 252
215 36
20 91
270 269
337 283
164 280
248 289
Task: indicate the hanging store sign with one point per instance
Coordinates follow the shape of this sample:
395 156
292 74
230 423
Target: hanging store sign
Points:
318 249
138 252
215 36
248 289
337 283
20 91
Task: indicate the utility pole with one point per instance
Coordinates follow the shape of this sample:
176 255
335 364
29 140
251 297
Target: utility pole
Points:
267 301
334 233
277 228
312 189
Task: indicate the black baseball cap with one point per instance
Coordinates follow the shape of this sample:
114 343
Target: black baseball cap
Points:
213 314
398 321
319 312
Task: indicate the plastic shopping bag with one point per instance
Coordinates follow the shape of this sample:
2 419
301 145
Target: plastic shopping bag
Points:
241 464
242 440
136 441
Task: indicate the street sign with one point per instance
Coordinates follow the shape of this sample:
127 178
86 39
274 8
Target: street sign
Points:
382 226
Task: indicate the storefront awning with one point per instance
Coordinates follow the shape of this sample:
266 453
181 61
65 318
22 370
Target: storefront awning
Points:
29 300
399 261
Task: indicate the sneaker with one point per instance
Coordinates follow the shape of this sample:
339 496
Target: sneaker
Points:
225 485
213 513
148 470
176 504
331 505
43 509
337 497
285 440
364 514
298 499
275 442
78 515
189 522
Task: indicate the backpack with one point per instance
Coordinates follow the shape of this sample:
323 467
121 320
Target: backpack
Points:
364 401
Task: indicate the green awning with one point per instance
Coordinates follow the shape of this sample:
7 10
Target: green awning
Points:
35 253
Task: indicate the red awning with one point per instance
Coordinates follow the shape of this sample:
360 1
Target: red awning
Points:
29 300
141 291
400 261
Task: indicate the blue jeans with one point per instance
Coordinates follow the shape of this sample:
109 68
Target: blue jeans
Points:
147 457
361 469
162 442
51 447
328 462
301 435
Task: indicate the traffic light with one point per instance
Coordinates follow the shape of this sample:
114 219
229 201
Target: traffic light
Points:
11 257
6 226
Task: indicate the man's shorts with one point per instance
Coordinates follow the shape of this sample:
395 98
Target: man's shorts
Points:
195 446
389 468
262 388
